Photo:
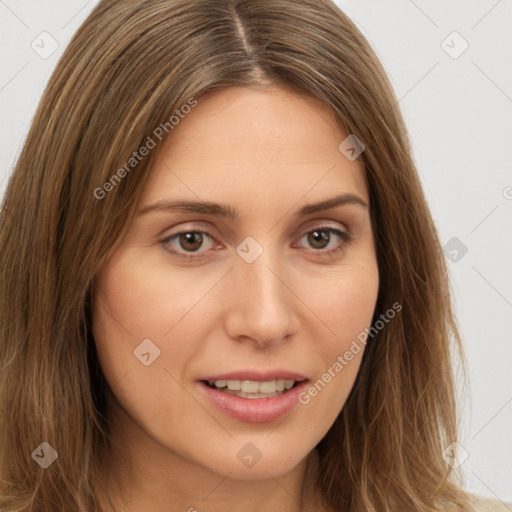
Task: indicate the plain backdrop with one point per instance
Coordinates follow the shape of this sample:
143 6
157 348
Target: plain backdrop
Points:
451 66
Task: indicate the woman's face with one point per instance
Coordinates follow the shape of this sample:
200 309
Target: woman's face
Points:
246 281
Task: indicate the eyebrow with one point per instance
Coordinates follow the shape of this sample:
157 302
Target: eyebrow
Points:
228 212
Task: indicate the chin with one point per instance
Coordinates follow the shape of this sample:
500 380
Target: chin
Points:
259 459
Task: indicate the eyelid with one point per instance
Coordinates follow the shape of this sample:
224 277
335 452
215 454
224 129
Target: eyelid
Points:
321 224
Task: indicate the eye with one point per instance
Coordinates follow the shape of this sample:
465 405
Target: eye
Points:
322 240
186 242
321 237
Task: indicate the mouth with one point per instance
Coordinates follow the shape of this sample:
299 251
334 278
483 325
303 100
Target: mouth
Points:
263 399
253 389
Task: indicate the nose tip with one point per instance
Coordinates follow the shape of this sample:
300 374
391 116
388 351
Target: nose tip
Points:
261 307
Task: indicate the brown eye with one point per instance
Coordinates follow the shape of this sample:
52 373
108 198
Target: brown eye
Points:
191 240
187 243
319 238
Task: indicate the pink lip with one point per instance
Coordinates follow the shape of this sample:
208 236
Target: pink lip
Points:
261 376
252 410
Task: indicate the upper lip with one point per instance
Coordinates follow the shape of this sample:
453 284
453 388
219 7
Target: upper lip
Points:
256 375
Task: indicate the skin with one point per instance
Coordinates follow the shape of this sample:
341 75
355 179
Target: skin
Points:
266 153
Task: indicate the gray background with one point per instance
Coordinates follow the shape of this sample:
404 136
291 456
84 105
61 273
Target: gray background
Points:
458 109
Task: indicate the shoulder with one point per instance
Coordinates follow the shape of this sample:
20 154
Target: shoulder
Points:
481 504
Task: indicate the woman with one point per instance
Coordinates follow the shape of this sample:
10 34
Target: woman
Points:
223 288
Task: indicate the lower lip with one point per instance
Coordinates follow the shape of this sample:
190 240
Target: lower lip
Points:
254 410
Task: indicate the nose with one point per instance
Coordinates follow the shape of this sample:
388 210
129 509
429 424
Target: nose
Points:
260 302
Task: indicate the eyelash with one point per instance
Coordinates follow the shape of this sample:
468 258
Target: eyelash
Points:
346 239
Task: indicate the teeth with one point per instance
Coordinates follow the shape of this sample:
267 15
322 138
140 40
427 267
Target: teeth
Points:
265 387
254 387
251 386
234 385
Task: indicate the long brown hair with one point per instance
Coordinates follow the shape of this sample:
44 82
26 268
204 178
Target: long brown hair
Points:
129 67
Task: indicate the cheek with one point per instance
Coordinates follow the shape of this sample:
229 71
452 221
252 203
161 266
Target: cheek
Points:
136 301
129 305
355 301
346 307
346 303
137 298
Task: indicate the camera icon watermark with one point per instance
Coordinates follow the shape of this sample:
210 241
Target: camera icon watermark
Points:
249 250
455 455
44 45
147 352
455 249
45 455
454 45
351 147
249 454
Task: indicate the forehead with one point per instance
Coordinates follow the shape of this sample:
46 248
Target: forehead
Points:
274 142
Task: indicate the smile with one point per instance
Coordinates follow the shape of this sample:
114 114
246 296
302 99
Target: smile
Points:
252 388
263 402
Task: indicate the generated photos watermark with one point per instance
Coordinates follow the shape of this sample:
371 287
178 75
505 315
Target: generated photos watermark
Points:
151 142
343 360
